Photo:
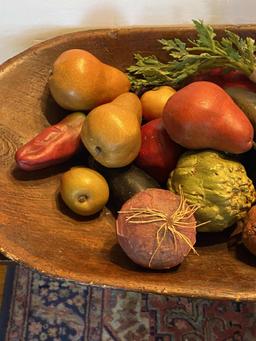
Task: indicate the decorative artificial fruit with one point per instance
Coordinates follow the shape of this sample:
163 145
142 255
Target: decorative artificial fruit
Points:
52 145
153 101
130 102
248 225
124 182
156 228
84 190
218 184
80 81
202 115
246 100
158 153
111 133
226 78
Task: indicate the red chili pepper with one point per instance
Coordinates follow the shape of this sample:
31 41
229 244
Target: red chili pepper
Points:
52 145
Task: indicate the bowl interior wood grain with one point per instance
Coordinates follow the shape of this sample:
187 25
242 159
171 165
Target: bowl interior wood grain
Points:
37 229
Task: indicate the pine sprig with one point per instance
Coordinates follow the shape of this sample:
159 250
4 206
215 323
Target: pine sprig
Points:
205 52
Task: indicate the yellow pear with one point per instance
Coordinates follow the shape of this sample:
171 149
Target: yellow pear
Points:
111 133
130 102
80 81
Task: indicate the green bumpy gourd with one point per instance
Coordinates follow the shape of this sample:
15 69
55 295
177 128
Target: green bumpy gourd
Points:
217 184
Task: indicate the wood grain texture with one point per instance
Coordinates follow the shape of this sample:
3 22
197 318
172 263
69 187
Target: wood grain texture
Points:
36 228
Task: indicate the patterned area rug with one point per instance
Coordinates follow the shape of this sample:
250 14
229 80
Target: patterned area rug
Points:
46 309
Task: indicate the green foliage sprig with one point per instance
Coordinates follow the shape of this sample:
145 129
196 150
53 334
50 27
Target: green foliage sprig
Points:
203 53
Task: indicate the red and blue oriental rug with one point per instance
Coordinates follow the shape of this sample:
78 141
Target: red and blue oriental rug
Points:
39 308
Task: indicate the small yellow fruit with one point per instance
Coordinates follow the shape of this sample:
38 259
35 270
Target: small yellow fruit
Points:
84 190
153 102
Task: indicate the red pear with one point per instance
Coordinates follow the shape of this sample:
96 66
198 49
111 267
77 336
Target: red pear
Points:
202 115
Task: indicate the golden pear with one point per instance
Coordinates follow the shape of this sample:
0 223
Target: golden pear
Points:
80 81
131 102
111 133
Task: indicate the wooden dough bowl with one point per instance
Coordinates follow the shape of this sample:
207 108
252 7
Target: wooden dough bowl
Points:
38 231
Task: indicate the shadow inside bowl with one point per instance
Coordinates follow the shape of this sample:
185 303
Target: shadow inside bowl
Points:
45 173
50 109
245 255
212 238
79 159
118 257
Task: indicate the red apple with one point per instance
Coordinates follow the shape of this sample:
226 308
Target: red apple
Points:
158 153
